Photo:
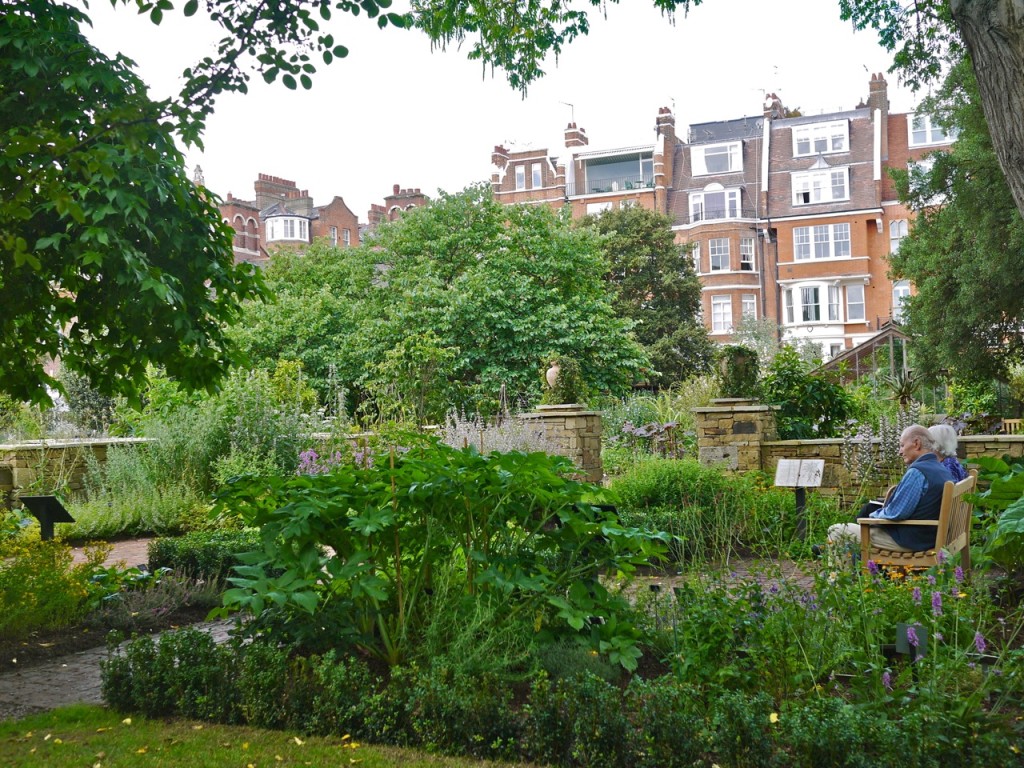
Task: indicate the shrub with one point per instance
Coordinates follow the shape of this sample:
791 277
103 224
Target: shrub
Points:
667 726
202 554
468 715
708 512
343 685
40 588
810 405
739 371
741 730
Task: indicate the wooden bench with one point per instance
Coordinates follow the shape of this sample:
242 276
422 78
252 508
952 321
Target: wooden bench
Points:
1011 426
952 534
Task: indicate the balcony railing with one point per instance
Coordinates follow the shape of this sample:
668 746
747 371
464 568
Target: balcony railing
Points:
615 184
718 214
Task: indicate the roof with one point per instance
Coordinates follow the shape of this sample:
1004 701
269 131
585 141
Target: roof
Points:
727 130
860 359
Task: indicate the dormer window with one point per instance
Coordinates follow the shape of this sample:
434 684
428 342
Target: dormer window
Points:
287 228
716 158
821 138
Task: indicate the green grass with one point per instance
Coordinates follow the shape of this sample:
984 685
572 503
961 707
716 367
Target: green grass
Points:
98 737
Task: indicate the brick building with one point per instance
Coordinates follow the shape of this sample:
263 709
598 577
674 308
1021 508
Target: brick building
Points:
284 216
789 217
398 202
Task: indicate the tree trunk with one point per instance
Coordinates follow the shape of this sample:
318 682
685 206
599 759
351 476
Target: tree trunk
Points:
993 31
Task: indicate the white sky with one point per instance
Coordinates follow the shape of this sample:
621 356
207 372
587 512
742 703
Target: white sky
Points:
393 112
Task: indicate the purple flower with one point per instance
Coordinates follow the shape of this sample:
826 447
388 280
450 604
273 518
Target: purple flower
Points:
979 642
958 574
917 595
872 567
938 637
936 603
912 636
931 578
887 680
941 557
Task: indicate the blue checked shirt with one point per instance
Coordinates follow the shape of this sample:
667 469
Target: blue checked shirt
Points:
904 498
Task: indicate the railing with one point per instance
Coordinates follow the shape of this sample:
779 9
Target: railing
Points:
717 214
615 184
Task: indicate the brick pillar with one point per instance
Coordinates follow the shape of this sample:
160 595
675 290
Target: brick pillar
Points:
576 431
731 431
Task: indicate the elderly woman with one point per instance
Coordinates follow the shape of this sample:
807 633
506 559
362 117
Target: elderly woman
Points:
944 440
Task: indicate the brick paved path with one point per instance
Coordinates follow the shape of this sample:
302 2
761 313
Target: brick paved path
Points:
75 678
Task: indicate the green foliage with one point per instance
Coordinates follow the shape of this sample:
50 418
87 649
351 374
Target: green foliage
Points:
810 405
40 588
965 321
709 515
570 387
1000 509
202 554
112 256
739 370
657 288
133 493
518 528
445 307
87 408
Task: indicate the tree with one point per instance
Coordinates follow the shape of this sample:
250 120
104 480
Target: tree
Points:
111 257
963 253
927 35
448 304
656 287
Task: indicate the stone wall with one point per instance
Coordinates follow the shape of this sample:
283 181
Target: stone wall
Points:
740 436
43 465
577 431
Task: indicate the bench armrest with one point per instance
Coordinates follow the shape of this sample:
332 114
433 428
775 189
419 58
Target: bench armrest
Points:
882 521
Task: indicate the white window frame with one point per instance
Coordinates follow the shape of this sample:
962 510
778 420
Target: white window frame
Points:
730 204
695 253
334 235
536 176
593 209
898 229
855 310
286 227
346 236
747 256
809 308
813 303
718 249
834 310
520 177
748 306
821 138
822 241
835 350
721 314
822 186
922 131
731 151
900 293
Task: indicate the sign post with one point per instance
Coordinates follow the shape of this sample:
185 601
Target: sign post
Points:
800 474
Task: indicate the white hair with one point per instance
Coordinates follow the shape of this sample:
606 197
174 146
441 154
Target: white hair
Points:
943 438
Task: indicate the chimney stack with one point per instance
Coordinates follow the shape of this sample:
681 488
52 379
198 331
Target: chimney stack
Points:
575 137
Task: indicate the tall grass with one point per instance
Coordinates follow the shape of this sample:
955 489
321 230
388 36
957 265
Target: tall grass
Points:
714 516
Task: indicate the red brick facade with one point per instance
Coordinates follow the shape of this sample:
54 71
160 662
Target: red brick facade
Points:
790 218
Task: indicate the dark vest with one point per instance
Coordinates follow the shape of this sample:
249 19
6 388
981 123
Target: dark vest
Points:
920 538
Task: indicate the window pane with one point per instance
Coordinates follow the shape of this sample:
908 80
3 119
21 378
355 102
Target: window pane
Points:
789 306
822 249
854 302
833 303
809 304
802 243
838 185
841 238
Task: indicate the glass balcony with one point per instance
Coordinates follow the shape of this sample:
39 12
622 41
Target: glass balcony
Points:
610 184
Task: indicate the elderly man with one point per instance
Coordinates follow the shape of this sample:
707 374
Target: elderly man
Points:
917 497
